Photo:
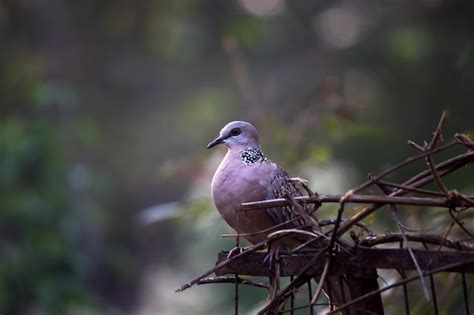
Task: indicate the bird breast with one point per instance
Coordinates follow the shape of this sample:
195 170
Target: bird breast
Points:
235 183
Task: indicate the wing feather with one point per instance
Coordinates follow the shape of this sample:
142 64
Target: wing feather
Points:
281 185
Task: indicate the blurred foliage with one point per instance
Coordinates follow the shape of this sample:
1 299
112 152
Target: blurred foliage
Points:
41 263
107 107
48 250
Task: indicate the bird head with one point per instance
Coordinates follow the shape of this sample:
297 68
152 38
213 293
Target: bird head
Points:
237 134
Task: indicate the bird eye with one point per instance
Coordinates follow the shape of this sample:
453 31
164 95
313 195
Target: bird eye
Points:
235 132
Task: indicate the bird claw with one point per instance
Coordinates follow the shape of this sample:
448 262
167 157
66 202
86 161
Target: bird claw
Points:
272 256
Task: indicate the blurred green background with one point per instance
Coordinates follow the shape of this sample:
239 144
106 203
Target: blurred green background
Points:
107 106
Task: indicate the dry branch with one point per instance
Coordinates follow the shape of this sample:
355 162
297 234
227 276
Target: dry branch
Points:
363 199
417 237
362 258
336 258
449 267
220 280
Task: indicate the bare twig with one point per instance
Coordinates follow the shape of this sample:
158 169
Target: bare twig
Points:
411 189
421 238
362 225
265 231
364 199
438 134
223 264
399 283
416 181
401 227
459 222
309 219
249 250
299 280
412 255
236 284
465 140
416 146
340 256
402 164
223 279
293 231
436 176
319 288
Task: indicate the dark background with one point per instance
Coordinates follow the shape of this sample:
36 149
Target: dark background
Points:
107 106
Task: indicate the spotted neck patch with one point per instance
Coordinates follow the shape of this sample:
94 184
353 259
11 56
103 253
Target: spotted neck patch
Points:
252 155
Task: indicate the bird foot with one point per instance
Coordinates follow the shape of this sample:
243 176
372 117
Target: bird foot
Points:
273 256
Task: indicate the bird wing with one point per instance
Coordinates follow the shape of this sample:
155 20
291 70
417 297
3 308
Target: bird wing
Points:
280 187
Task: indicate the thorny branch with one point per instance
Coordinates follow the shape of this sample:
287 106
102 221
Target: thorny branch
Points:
399 283
331 242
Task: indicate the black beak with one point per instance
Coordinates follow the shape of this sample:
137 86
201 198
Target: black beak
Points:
215 142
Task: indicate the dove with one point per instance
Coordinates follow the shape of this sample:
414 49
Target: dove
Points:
245 175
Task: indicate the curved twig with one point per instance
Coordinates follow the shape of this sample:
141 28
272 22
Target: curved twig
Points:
399 283
421 238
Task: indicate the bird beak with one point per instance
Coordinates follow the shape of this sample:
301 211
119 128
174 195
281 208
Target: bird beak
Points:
215 142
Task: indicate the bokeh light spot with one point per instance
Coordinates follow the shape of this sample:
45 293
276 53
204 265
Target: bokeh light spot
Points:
339 27
263 7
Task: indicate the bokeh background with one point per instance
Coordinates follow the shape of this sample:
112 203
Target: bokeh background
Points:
107 106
